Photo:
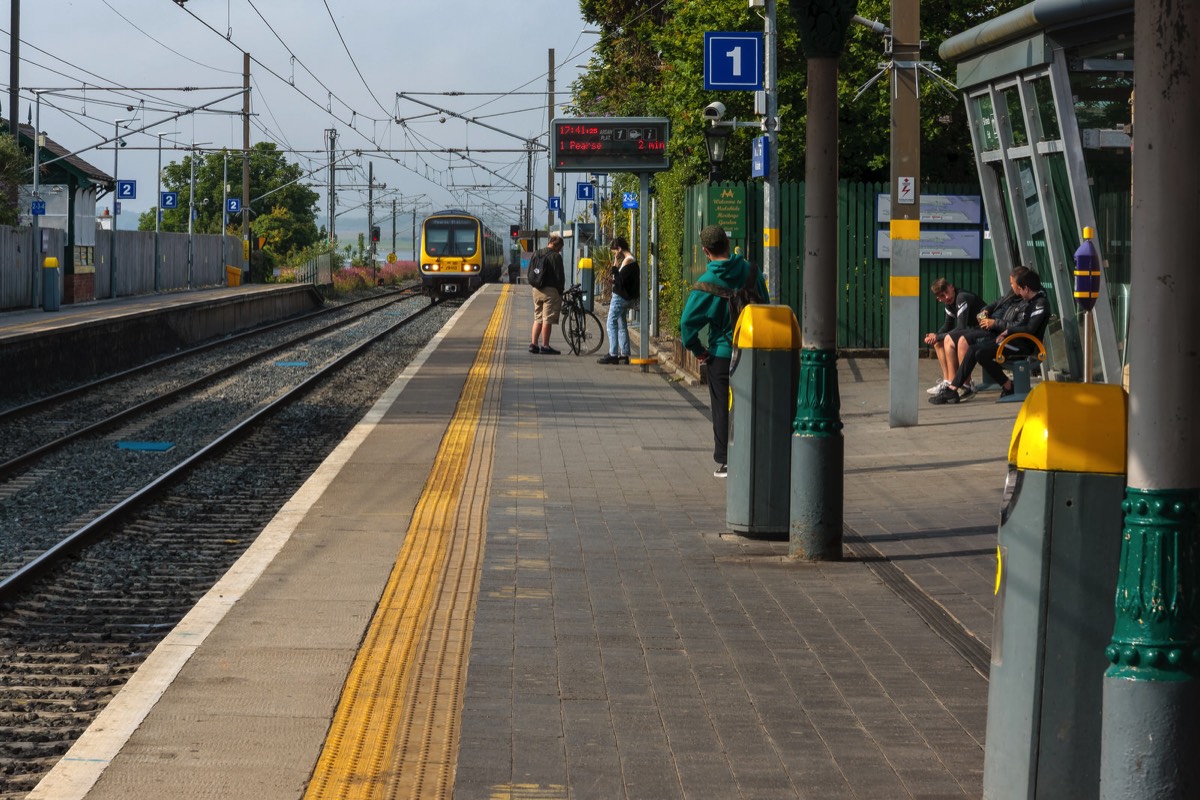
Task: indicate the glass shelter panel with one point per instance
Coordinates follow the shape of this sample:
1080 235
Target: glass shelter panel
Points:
1047 114
1016 118
1101 79
985 119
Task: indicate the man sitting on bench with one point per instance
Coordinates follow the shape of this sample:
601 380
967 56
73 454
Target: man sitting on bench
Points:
1035 314
994 318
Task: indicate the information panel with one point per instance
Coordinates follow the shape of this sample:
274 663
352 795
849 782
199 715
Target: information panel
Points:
610 144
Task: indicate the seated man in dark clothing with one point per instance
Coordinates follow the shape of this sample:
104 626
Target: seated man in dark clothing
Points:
962 308
993 318
1033 317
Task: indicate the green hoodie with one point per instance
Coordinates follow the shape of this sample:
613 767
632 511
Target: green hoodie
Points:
707 310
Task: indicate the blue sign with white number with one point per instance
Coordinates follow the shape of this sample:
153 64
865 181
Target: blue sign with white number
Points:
37 208
168 200
629 199
760 149
555 203
585 191
233 205
127 190
733 61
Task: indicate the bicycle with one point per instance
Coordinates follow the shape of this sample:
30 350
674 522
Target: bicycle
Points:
581 328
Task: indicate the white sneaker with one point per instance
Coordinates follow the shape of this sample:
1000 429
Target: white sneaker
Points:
937 387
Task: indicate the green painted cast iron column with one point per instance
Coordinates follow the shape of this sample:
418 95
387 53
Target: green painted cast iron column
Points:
1150 746
818 449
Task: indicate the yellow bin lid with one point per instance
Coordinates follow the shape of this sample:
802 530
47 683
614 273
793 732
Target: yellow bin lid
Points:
1071 427
767 327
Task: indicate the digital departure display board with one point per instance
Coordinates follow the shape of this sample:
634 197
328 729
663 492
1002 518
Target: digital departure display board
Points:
610 144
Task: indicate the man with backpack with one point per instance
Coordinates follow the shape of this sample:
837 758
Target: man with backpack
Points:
727 284
548 279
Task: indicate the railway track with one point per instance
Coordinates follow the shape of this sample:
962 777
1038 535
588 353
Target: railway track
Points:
90 585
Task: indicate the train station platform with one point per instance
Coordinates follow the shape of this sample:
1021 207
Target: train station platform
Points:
84 339
513 580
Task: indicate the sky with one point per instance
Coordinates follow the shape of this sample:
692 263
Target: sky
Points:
316 65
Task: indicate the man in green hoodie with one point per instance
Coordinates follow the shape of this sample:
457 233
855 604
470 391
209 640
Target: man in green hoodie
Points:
707 309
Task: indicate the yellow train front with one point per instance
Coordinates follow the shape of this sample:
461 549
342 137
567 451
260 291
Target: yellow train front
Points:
458 254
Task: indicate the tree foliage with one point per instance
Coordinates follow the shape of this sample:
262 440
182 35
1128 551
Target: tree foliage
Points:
649 62
15 171
285 211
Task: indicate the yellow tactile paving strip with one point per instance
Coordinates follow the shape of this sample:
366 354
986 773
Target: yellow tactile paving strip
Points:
395 732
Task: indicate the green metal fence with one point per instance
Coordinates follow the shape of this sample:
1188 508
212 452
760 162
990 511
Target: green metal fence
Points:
862 276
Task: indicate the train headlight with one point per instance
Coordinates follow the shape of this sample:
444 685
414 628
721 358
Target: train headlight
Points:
431 267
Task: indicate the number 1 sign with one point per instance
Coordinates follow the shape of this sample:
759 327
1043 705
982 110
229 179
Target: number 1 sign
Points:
733 61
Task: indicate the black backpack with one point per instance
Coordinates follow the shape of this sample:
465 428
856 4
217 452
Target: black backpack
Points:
538 274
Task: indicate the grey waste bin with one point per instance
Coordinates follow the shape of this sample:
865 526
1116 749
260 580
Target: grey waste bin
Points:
51 283
763 383
1058 550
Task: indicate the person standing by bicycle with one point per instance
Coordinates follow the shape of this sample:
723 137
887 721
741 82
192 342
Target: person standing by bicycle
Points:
625 282
547 294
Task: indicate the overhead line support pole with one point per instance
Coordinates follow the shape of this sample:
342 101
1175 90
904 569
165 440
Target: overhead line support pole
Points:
905 227
246 155
549 155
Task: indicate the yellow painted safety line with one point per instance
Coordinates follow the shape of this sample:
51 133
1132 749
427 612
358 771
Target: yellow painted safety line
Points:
394 698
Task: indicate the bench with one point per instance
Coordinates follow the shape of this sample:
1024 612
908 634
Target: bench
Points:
1020 365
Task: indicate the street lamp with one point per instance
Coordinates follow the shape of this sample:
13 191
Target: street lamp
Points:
118 143
192 208
716 138
158 208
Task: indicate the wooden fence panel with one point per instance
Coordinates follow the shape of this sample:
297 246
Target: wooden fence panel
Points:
16 268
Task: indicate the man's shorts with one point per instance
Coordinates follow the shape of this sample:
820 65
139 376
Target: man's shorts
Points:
973 335
547 304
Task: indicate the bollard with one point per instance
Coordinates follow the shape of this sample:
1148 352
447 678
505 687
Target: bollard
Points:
587 279
763 381
1057 554
51 289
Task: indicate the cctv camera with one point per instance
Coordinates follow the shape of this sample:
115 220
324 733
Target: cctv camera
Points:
714 110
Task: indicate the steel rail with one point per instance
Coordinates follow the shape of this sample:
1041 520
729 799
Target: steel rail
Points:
81 536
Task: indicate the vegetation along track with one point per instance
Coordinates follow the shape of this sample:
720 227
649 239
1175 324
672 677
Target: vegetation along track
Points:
74 631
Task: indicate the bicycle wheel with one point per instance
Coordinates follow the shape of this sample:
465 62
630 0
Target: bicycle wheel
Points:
572 330
591 333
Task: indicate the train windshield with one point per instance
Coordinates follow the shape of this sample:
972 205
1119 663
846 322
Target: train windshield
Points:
451 237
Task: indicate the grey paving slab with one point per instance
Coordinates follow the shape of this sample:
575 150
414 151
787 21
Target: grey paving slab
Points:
694 663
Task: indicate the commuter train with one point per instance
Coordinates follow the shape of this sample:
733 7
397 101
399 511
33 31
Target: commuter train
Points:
458 254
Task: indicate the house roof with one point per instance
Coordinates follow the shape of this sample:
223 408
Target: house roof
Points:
70 164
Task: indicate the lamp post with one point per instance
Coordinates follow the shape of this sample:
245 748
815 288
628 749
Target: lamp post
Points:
118 143
158 209
716 138
192 207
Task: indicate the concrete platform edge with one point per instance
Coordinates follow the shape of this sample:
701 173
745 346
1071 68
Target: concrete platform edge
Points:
79 770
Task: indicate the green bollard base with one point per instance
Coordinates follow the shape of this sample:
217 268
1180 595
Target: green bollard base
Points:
818 476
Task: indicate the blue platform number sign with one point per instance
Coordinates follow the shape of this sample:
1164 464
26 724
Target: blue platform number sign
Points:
127 190
555 203
37 208
760 148
629 199
168 200
233 205
733 61
585 191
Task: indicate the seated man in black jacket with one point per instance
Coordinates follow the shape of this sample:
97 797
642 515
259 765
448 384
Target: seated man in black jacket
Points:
962 308
994 317
1033 317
